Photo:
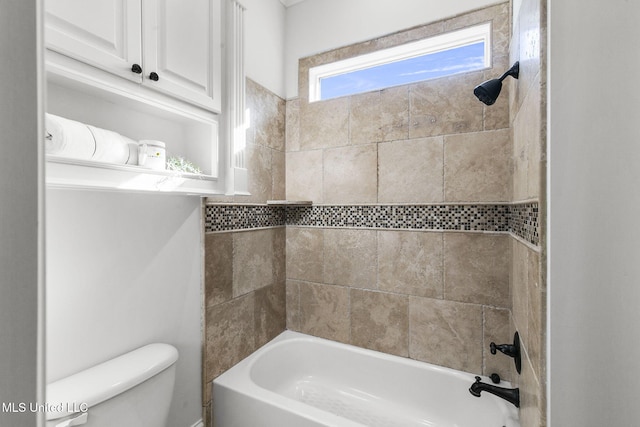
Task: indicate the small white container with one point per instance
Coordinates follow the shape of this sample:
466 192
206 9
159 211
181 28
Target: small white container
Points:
152 154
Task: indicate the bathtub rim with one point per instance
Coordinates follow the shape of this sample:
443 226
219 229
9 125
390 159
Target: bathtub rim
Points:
238 379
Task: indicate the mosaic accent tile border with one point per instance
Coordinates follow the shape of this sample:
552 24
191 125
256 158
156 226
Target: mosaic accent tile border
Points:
410 217
524 223
519 219
242 217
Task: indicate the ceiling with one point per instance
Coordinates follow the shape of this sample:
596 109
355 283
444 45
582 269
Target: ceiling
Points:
288 3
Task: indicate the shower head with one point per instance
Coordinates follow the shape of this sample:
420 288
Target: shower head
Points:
489 91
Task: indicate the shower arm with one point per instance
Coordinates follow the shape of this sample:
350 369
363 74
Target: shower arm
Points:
513 72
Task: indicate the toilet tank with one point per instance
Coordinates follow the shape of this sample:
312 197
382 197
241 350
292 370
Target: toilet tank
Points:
132 390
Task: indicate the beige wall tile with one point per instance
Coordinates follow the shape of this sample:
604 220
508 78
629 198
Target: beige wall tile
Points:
444 106
206 397
527 146
304 175
351 174
519 287
529 47
498 15
379 116
303 76
528 268
411 171
394 113
267 116
365 118
230 334
278 174
496 116
477 167
207 416
411 34
265 145
531 397
411 262
535 331
532 317
476 268
269 313
324 124
380 321
259 174
350 257
304 250
499 11
446 333
218 268
279 254
520 158
324 311
497 328
293 305
292 125
535 154
252 261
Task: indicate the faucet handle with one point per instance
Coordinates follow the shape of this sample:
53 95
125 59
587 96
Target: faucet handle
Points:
507 349
511 350
474 390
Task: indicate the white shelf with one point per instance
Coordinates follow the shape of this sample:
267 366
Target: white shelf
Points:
72 173
289 202
79 92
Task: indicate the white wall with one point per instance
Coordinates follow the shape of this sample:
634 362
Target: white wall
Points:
124 270
594 244
314 26
21 225
265 26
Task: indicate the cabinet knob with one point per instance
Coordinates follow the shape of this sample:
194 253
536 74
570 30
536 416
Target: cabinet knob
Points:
136 69
154 76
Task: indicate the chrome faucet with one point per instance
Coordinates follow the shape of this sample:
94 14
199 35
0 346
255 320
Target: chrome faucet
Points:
511 395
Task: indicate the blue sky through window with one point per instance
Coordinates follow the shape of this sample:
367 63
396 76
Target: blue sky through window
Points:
429 66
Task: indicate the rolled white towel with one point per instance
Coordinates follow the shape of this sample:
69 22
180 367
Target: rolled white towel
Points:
111 147
133 151
68 138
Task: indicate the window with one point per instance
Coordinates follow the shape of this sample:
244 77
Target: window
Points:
443 55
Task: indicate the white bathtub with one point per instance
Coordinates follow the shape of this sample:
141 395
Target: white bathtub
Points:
301 381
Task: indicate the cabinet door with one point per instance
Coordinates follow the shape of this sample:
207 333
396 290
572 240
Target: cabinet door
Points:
102 33
181 45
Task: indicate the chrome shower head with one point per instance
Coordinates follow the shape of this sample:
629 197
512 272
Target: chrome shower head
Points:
489 91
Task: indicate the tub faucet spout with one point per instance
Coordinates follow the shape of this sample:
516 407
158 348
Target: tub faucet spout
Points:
511 395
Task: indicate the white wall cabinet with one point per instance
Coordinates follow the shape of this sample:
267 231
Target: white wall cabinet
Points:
146 69
168 46
105 34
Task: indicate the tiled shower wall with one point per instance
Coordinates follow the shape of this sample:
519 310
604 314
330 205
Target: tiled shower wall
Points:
245 269
528 270
437 296
366 264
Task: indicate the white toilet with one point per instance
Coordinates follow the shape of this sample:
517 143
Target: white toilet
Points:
132 390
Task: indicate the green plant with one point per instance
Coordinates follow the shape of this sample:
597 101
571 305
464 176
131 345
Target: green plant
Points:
179 164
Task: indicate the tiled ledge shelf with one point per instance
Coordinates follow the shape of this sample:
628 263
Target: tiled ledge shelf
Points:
521 219
72 173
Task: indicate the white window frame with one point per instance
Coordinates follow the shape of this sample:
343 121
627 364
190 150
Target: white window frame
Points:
439 43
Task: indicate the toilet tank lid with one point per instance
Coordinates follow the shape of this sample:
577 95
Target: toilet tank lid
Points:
106 380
